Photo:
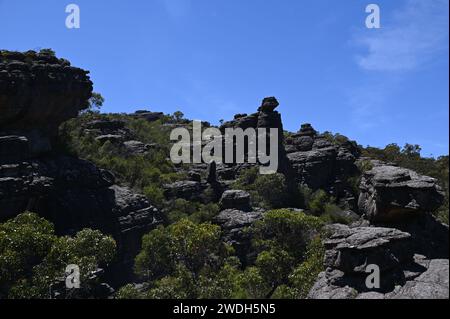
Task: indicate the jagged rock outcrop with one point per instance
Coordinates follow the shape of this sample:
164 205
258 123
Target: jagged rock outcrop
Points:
319 163
37 93
390 192
148 115
266 118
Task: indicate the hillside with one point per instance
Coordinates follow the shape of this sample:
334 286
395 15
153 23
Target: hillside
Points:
100 191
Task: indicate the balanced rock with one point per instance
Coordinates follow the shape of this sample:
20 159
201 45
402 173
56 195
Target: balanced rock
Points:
269 104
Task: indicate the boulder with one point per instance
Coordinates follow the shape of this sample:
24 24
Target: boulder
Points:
13 148
315 168
350 250
390 193
235 199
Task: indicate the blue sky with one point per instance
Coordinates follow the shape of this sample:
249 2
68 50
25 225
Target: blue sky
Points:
214 58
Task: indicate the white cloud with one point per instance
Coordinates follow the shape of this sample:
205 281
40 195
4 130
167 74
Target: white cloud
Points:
412 37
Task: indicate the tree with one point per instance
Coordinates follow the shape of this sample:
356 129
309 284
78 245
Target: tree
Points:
178 116
47 52
95 102
194 246
33 258
287 230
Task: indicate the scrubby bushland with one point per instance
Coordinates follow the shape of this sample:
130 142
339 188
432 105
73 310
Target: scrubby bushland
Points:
188 260
269 191
196 212
33 259
146 173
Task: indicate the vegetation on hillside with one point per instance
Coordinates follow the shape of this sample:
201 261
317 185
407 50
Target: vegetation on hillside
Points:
33 259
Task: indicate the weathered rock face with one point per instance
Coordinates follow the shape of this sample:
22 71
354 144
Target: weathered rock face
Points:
403 273
389 193
351 249
37 93
188 190
235 199
75 194
148 115
266 118
319 164
431 284
234 224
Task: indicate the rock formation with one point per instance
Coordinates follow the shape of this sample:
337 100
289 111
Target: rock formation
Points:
266 118
393 227
389 193
319 163
37 93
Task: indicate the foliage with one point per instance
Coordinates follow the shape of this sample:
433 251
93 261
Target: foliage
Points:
305 275
287 230
95 103
148 173
178 116
129 292
194 211
47 52
194 246
33 258
270 191
321 204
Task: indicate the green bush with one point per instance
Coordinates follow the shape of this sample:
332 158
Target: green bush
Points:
305 275
287 230
269 191
32 257
194 246
129 292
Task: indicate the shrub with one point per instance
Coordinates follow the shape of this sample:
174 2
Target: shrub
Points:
269 190
305 275
287 230
194 246
129 292
32 257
